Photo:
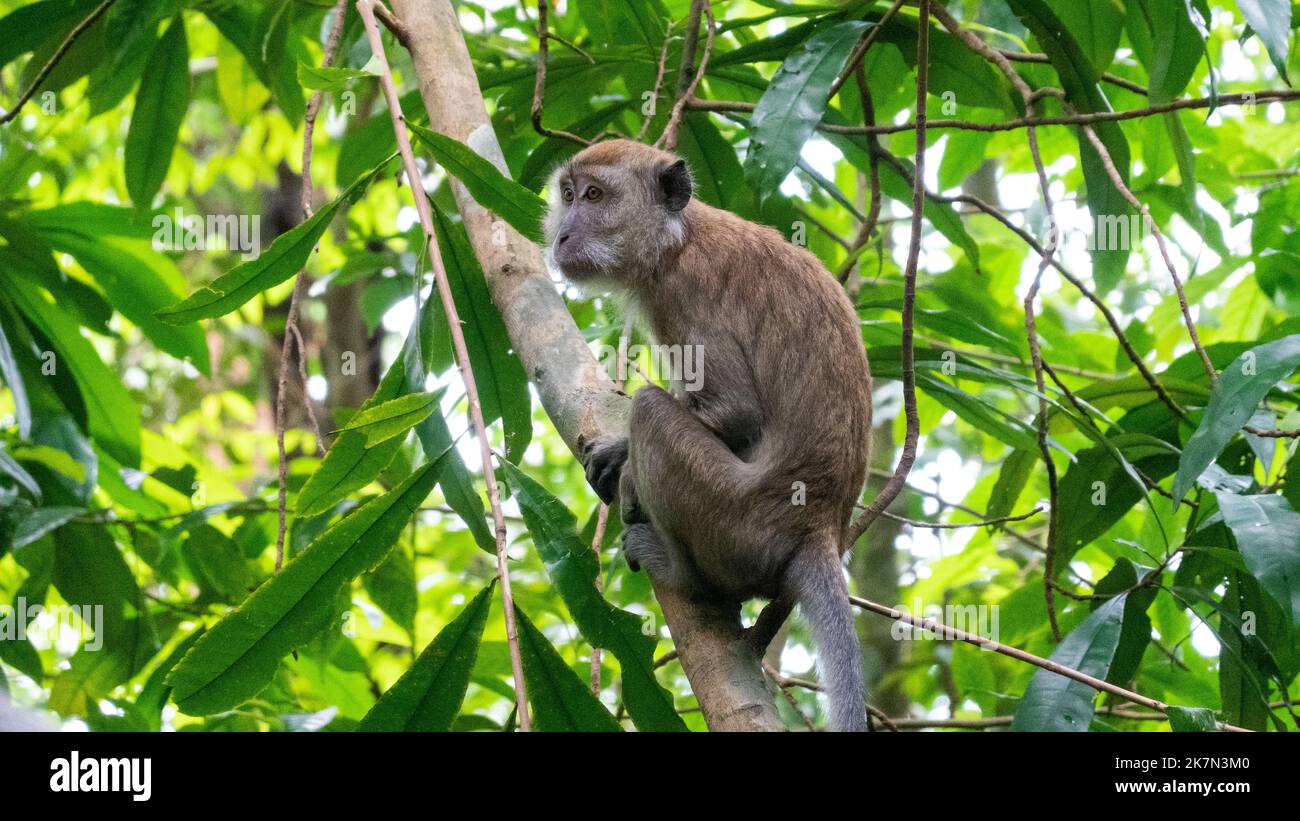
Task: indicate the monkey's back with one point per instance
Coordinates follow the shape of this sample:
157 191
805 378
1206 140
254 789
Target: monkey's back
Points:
742 291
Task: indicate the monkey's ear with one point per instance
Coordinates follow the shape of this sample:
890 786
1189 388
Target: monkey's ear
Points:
675 183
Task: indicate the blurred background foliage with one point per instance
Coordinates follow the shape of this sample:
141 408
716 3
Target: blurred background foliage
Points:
138 457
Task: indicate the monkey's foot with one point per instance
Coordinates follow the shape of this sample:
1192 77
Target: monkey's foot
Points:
604 462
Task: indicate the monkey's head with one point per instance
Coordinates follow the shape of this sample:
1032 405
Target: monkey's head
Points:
616 210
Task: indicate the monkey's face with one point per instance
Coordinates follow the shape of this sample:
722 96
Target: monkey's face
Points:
615 210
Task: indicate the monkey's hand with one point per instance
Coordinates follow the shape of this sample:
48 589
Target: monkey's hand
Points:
604 461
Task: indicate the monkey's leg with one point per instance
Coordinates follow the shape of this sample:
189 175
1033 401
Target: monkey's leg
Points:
701 497
672 444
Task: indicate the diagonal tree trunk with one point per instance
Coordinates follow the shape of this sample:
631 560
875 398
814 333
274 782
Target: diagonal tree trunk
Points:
579 397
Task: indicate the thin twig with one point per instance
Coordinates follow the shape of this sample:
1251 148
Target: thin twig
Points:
953 634
896 482
366 7
1046 255
539 84
58 55
602 518
860 50
1273 434
1281 95
292 335
689 77
570 44
1065 273
302 375
953 526
930 494
1038 57
1118 181
825 229
868 226
393 23
659 83
784 684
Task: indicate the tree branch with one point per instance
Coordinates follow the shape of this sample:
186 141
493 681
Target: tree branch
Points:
1280 95
689 77
896 482
539 84
860 50
292 335
577 394
953 634
366 8
58 55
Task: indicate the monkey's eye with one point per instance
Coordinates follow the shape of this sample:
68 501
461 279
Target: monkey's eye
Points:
592 193
567 194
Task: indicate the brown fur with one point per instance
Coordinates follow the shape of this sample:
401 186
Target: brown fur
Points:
785 396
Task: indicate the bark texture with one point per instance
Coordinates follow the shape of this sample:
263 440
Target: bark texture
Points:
578 395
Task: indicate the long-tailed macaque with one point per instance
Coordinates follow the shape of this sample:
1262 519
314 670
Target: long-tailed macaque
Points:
742 488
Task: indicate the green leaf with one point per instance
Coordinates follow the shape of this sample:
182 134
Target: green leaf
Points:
560 700
217 564
1168 43
1267 531
1241 387
486 183
943 216
572 567
320 78
350 465
392 587
381 422
1011 482
155 692
137 280
13 379
982 415
1096 491
15 471
1271 20
90 571
42 520
367 143
1054 703
286 256
238 657
1192 720
1096 25
1126 577
26 28
1243 683
789 111
112 415
160 106
954 68
498 373
279 50
428 696
716 174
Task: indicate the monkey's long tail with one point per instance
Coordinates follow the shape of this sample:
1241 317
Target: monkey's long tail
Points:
816 579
